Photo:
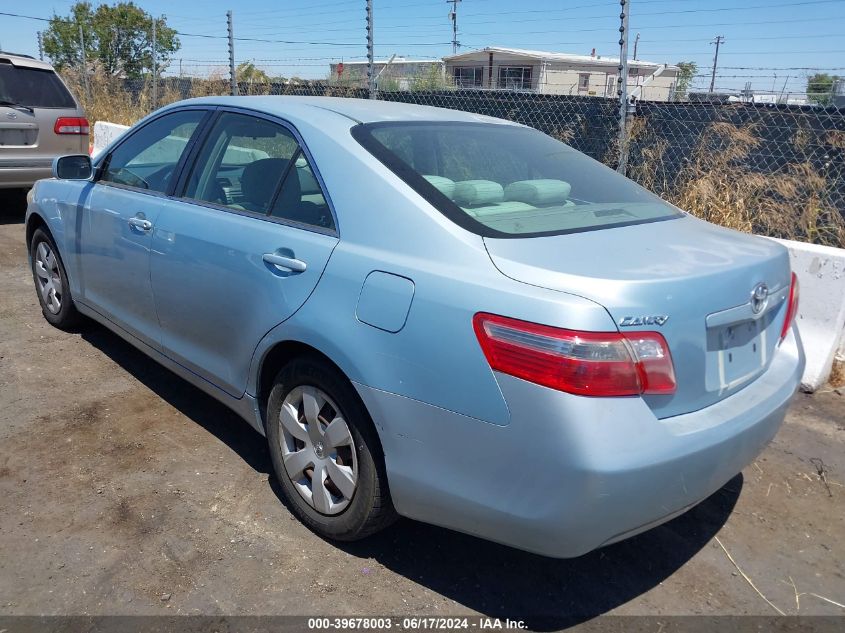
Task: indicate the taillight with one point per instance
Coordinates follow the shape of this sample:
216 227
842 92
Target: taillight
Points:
71 125
583 363
791 307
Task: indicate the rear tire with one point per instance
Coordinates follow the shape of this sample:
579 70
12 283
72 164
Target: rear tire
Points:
318 430
51 282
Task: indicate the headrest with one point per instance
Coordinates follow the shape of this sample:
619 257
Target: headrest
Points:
538 192
259 180
443 185
470 193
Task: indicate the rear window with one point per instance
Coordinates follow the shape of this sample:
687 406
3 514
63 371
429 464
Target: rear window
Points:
33 87
509 181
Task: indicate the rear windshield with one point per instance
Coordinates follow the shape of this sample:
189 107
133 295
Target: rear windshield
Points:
33 87
509 181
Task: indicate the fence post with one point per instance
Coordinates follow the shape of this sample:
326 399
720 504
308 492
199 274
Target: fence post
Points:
83 58
371 79
233 79
155 68
622 81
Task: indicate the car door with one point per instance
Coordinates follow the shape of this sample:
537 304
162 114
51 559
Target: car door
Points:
118 217
243 248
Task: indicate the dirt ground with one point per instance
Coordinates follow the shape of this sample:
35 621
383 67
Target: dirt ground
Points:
124 490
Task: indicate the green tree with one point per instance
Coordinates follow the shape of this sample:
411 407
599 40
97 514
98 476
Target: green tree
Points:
248 72
820 88
686 72
117 36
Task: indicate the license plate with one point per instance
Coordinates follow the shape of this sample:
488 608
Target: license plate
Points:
742 352
18 137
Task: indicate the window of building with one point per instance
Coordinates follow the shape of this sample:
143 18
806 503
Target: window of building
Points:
469 77
515 77
583 82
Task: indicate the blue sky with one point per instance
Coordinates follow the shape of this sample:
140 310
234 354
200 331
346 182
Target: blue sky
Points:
769 43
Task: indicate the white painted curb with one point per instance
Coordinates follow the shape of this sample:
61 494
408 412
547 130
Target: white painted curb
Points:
104 134
821 307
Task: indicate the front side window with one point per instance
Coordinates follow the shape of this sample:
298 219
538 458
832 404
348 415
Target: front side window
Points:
252 164
148 157
507 180
515 77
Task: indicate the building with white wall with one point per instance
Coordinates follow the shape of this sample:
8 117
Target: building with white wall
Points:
558 73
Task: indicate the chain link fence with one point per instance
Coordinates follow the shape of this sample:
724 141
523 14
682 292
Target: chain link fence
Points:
776 170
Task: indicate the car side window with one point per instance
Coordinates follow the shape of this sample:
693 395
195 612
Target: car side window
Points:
148 157
301 199
242 162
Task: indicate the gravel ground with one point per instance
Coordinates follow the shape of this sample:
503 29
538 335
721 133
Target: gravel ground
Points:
124 490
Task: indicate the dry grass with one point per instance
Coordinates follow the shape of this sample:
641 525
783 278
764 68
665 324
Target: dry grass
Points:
719 186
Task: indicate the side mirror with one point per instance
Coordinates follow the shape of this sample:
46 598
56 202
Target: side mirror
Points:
73 167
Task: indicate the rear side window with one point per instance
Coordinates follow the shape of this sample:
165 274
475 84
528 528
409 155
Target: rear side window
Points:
509 181
252 164
33 87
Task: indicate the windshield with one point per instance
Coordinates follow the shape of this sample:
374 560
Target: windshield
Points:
33 88
509 181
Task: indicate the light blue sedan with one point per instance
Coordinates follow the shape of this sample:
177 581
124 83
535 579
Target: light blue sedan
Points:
429 313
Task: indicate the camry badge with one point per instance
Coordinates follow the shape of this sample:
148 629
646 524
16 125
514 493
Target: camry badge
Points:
759 298
654 319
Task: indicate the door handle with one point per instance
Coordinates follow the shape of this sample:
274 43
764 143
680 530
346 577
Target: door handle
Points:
140 223
285 263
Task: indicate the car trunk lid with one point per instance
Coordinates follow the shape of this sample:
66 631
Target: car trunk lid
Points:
687 279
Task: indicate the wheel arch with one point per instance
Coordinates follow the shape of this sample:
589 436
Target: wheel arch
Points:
282 352
34 222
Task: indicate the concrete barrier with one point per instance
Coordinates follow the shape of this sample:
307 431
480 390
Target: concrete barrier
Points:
104 134
821 307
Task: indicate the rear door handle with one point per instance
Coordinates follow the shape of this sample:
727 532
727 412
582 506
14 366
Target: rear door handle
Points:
285 263
140 223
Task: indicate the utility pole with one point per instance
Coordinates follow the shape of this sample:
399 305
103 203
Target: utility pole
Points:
371 79
622 87
453 15
155 69
40 47
718 41
83 58
636 44
233 80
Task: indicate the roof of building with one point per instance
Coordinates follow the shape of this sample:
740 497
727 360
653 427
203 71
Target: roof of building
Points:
396 60
549 56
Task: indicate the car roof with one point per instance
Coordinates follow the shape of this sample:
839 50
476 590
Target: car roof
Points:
358 110
24 61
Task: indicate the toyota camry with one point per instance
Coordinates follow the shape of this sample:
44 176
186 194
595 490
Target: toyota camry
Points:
429 313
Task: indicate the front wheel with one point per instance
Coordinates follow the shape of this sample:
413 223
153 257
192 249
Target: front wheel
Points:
326 453
51 281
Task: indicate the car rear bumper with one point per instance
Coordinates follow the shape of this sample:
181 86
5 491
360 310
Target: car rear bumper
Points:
569 474
23 177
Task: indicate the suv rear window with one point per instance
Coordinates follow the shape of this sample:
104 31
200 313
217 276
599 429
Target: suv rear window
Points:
33 87
509 181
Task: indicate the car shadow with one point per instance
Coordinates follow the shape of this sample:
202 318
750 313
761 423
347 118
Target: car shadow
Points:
492 579
12 206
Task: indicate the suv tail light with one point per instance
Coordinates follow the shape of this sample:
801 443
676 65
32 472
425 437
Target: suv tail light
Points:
583 363
71 125
791 307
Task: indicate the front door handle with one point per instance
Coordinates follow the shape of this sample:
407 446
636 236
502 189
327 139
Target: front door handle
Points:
285 263
140 222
